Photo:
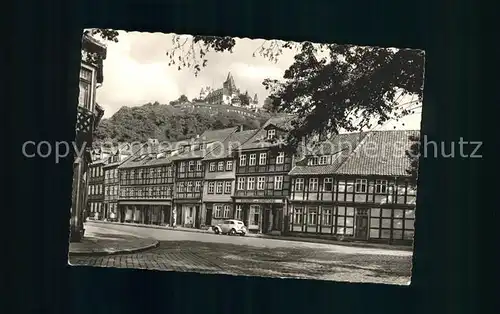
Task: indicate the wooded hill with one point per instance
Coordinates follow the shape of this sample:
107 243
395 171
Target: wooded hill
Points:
168 123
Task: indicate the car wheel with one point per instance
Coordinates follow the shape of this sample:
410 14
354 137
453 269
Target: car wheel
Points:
217 231
232 232
242 234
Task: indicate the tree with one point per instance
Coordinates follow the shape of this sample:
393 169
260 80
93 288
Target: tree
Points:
268 105
245 101
325 94
413 153
183 98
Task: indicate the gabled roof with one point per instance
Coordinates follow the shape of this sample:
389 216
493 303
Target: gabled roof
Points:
153 155
258 141
381 153
216 135
378 153
339 146
232 143
210 139
127 150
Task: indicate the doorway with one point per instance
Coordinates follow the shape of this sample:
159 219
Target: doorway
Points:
208 217
362 223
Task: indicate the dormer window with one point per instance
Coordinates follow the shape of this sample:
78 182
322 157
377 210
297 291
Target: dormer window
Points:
271 133
313 161
325 160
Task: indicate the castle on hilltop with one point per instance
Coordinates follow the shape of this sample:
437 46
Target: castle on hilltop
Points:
229 95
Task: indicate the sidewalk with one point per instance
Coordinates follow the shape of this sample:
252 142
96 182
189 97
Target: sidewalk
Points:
275 237
100 241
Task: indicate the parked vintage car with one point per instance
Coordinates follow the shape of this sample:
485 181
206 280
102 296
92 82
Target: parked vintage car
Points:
231 227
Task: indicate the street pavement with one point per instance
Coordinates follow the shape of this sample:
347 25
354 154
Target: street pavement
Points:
104 241
253 256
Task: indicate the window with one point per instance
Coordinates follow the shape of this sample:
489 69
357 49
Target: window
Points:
243 160
381 186
106 191
328 184
85 88
197 186
313 184
327 216
271 134
313 161
299 184
241 184
251 184
227 211
312 216
297 216
220 186
191 166
278 182
190 186
169 172
260 183
253 159
361 185
220 166
324 160
262 158
182 166
218 211
211 187
199 165
229 165
280 159
107 175
238 213
181 187
227 187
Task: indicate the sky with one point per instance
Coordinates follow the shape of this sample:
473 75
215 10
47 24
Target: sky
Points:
136 72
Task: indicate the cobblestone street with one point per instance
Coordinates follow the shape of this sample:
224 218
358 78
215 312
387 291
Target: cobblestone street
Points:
186 252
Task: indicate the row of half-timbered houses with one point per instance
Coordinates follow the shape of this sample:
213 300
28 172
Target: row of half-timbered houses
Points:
352 186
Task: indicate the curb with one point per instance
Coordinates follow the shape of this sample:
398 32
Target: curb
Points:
117 252
263 236
348 244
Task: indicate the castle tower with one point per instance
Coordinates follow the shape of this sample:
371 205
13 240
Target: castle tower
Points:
255 100
229 84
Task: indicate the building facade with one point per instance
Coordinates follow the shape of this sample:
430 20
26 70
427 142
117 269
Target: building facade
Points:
345 192
219 180
146 186
88 115
350 187
262 181
190 174
95 204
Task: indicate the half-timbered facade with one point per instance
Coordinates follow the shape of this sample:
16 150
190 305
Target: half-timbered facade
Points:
146 186
88 115
95 204
356 187
190 173
262 181
219 182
